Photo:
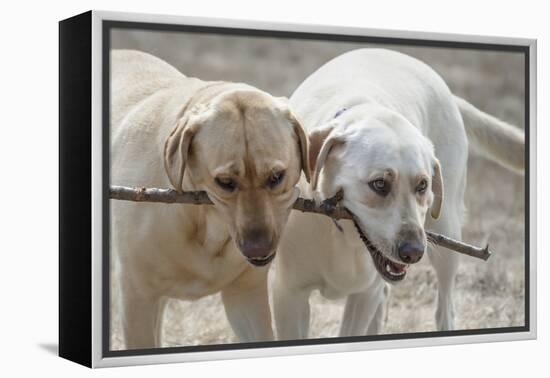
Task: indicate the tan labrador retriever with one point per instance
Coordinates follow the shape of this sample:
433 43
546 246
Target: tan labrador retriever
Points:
243 147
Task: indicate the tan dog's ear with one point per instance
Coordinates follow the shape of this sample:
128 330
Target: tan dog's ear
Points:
177 147
320 144
284 104
302 141
437 189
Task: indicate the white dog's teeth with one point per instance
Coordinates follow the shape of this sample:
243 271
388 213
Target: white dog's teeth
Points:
260 258
388 269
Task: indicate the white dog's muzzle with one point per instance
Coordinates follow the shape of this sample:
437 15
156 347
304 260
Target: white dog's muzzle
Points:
391 271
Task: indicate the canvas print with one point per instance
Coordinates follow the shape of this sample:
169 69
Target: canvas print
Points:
269 189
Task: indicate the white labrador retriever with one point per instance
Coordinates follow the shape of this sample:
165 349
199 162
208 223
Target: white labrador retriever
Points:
239 144
385 129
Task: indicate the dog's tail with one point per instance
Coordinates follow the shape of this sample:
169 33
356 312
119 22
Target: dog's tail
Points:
493 138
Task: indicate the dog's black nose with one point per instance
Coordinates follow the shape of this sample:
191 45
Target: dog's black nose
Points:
411 252
256 244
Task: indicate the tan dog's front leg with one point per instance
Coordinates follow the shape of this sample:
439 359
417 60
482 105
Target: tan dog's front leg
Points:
247 305
141 317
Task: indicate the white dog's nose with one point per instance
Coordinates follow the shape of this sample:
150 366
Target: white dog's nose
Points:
411 252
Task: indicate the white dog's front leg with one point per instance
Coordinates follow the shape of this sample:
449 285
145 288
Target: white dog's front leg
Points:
445 264
377 323
141 317
246 305
362 309
291 310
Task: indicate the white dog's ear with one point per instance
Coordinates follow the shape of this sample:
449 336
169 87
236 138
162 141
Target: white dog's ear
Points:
320 143
176 148
303 145
437 189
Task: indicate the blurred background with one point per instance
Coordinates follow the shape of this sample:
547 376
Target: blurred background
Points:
488 294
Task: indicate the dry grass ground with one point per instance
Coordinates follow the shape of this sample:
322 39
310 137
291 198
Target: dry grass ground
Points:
488 294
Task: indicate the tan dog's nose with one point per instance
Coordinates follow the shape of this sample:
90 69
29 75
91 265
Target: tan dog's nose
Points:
256 243
410 252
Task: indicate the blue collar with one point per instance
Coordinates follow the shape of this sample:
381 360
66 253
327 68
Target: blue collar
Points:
339 112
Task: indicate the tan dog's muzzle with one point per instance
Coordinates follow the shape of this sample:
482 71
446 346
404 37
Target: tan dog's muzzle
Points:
258 246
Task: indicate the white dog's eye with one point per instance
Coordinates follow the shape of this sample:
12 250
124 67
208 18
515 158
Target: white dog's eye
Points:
380 186
422 186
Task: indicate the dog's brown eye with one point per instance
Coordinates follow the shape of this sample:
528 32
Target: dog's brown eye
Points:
275 179
422 186
227 184
380 186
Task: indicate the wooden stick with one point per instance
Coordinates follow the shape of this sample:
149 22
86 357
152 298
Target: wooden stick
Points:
458 246
159 195
328 207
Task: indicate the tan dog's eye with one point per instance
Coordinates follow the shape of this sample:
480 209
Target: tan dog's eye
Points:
380 186
227 184
275 179
422 186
